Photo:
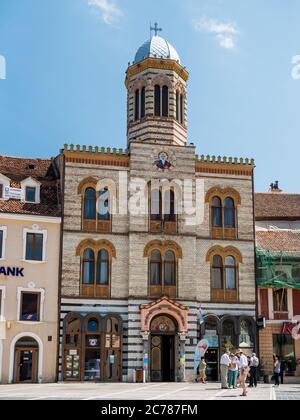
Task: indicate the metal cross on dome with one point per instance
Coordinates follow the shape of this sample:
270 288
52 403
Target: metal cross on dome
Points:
156 29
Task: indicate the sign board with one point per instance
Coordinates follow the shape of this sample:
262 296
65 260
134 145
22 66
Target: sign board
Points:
12 193
146 359
12 271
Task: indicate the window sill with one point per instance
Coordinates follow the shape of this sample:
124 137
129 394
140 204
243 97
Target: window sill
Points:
34 262
3 259
30 322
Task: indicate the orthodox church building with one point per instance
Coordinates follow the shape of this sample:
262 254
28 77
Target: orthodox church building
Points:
158 242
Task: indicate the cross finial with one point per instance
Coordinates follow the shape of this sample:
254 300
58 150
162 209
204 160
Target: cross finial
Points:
156 29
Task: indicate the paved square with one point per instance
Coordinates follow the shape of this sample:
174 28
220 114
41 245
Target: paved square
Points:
148 392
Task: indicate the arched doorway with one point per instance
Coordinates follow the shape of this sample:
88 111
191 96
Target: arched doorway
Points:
26 358
163 345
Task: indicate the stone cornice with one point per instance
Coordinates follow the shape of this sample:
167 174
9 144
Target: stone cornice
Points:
156 63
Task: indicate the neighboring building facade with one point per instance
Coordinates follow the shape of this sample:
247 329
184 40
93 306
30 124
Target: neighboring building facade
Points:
30 225
278 276
133 280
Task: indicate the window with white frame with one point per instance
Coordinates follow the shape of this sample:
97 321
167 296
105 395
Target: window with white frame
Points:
31 190
30 304
3 234
34 245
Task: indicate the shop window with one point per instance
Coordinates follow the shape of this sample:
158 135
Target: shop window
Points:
246 339
34 247
30 194
228 339
72 350
30 307
284 347
112 357
92 370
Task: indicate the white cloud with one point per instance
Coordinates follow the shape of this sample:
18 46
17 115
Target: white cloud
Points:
224 33
110 12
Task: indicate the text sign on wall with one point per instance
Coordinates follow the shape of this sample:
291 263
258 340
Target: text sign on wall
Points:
12 271
12 193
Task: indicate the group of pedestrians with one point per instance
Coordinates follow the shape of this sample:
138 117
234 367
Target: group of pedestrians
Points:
235 369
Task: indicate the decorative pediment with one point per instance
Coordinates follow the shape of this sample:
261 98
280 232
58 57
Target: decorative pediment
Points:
229 251
96 246
223 193
163 246
164 306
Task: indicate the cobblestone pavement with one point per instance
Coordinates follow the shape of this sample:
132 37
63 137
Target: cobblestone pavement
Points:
150 392
288 392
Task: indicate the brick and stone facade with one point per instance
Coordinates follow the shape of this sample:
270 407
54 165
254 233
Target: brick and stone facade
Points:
130 236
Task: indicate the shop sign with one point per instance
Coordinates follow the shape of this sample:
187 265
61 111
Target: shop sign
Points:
12 193
11 271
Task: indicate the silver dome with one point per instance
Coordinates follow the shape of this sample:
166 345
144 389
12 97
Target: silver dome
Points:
156 47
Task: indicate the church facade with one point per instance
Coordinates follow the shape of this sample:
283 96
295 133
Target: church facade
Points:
155 237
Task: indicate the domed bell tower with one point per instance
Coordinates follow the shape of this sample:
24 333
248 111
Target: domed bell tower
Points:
157 94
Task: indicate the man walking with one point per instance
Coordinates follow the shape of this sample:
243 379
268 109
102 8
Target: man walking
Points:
254 363
225 363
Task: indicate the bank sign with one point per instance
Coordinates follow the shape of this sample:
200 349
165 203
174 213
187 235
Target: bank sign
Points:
11 271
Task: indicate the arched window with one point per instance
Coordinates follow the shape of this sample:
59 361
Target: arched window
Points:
170 269
90 204
155 268
103 268
216 212
93 325
181 109
229 213
230 270
88 267
217 272
224 278
157 101
156 205
104 205
169 206
165 101
177 106
143 102
137 105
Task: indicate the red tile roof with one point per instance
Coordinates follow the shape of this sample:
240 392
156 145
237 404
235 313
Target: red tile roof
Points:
42 170
277 206
281 240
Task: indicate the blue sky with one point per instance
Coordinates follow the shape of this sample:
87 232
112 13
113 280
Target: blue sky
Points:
66 63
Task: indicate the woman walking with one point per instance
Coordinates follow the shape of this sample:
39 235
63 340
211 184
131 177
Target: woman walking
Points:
233 371
277 370
202 371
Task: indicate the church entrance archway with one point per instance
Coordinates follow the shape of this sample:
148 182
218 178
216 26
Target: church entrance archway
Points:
163 349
